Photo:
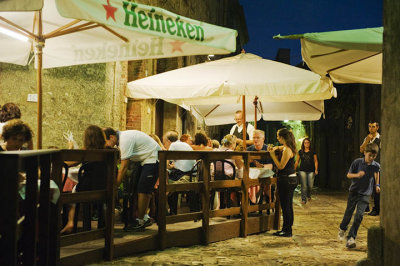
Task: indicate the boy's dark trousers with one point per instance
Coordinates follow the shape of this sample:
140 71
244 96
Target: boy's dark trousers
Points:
355 200
377 200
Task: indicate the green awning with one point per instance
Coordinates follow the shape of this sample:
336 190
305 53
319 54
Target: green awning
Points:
368 39
347 56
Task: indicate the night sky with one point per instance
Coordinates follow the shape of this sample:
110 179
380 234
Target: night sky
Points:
266 18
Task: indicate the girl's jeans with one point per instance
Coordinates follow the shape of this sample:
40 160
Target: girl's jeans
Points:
307 182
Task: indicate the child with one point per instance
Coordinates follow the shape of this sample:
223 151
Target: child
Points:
362 171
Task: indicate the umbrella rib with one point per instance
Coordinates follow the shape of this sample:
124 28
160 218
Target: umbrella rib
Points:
86 26
24 31
351 63
335 52
50 34
212 110
115 33
261 110
312 106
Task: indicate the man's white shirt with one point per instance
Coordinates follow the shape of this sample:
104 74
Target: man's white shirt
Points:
138 146
183 165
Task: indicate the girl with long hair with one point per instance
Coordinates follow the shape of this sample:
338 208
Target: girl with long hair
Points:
308 169
287 179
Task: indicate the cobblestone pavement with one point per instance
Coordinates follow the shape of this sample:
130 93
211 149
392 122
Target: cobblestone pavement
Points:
314 242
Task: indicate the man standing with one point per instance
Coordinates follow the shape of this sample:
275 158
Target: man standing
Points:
179 170
139 147
373 137
237 130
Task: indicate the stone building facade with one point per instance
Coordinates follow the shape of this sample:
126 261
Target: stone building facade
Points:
77 96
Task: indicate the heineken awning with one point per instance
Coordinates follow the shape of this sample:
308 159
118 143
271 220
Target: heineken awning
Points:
348 56
95 31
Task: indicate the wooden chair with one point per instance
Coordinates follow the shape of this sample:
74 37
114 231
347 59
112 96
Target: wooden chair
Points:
220 174
91 176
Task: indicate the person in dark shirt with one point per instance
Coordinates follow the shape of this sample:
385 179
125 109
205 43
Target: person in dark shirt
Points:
308 169
364 173
373 137
287 179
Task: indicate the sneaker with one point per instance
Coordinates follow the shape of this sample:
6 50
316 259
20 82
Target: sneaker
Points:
373 213
351 243
137 226
283 234
341 234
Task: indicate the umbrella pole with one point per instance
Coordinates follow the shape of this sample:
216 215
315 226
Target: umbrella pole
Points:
39 50
244 131
255 102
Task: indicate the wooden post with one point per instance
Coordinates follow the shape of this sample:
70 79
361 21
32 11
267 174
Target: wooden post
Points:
244 131
206 200
110 203
39 56
9 207
255 102
162 201
30 226
245 196
56 176
44 210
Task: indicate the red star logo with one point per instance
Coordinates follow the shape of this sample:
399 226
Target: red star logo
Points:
177 46
110 11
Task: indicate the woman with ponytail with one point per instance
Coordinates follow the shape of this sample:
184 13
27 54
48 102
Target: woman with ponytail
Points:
287 179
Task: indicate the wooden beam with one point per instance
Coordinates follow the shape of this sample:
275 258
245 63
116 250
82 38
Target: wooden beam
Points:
71 239
184 217
50 34
85 196
86 26
20 30
115 33
162 199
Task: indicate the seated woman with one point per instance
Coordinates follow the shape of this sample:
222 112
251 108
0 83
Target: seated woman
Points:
201 142
94 138
10 111
15 134
228 144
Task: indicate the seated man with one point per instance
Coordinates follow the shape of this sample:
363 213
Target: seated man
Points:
259 145
179 170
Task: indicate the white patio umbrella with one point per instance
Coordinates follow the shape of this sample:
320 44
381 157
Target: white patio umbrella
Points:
223 81
103 31
348 56
222 114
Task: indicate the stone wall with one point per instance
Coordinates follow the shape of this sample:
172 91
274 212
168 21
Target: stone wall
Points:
390 212
73 98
